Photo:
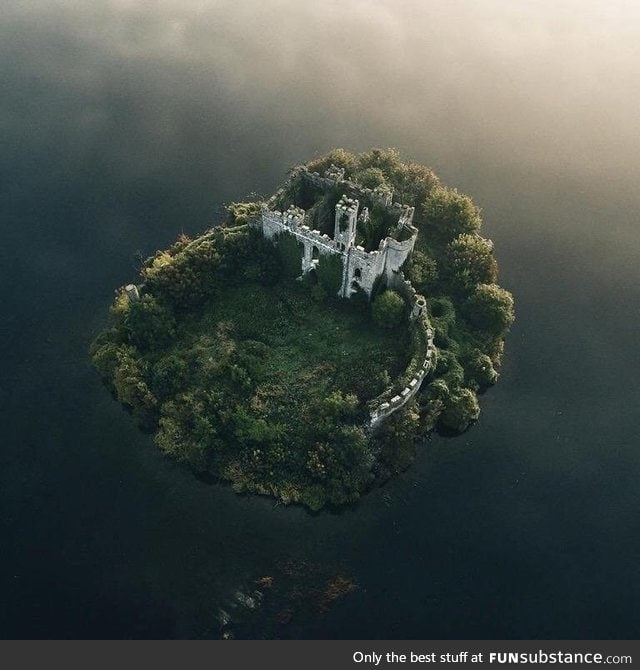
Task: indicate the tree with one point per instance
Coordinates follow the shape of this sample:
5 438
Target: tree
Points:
170 376
338 157
422 270
130 384
387 160
479 370
329 273
470 262
490 308
149 324
449 213
241 213
372 177
413 183
387 309
460 410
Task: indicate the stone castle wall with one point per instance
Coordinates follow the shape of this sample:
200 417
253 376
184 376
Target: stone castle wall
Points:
361 269
423 361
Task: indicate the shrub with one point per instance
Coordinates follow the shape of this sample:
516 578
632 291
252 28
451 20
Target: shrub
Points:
413 183
387 309
386 160
290 255
449 213
240 213
479 370
329 271
460 410
339 157
186 280
470 262
491 309
422 270
372 177
149 324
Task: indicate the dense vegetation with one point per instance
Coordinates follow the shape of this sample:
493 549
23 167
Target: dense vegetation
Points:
250 376
454 268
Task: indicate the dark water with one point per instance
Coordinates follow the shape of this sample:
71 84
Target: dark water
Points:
123 123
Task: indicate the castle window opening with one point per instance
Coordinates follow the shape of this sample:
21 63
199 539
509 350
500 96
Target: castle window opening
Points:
357 273
315 254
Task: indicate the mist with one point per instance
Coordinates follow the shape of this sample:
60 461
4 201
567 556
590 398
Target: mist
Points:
124 122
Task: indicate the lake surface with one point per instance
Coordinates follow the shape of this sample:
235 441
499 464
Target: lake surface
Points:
124 123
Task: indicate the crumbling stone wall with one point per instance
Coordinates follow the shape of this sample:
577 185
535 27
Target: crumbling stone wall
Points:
361 269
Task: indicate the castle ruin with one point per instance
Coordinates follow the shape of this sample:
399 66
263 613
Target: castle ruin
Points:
360 268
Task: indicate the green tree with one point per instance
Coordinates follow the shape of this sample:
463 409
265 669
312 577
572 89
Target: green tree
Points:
470 262
150 325
387 309
372 177
104 355
338 157
170 376
490 308
413 183
460 410
449 213
241 213
387 160
130 384
422 270
329 273
479 370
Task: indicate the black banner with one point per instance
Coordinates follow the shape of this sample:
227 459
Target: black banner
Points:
319 654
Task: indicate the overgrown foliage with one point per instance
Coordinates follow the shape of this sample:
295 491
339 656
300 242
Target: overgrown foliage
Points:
388 309
245 374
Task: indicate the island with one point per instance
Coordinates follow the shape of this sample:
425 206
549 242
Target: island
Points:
305 346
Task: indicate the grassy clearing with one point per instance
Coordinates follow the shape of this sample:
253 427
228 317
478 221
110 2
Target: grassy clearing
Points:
312 348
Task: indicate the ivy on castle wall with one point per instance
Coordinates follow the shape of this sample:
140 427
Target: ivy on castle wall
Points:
290 253
329 272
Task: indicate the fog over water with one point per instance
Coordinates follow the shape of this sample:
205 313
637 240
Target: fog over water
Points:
124 122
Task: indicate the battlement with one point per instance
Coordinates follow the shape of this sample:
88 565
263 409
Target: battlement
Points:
334 178
361 269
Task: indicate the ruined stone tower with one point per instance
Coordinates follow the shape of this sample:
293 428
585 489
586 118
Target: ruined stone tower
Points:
344 233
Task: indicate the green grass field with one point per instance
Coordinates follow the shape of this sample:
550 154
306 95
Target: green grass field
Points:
312 348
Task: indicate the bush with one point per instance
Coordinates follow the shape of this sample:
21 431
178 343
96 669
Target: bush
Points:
290 255
104 355
338 157
372 177
479 370
186 280
240 213
130 384
329 272
449 213
413 183
388 309
386 160
149 324
460 410
422 270
470 262
491 309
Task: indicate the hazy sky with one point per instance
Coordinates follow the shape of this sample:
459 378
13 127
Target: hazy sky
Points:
122 122
556 81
